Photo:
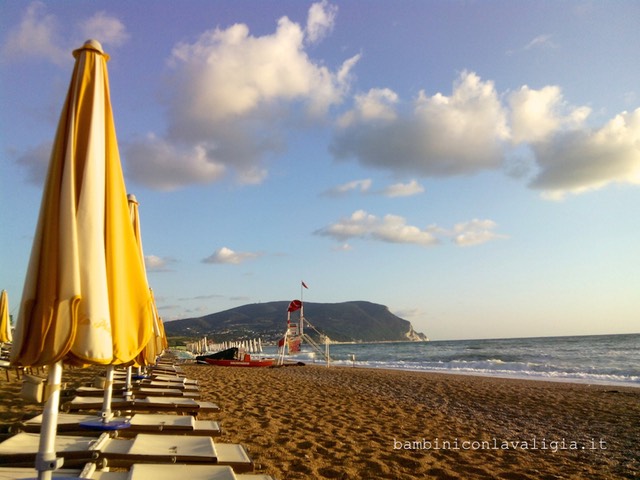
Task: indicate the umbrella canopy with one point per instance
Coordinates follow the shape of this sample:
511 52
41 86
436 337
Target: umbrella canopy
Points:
5 325
85 299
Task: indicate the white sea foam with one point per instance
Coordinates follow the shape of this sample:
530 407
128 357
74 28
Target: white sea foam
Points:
608 359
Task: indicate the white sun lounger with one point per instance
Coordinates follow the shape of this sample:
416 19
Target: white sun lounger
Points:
192 472
70 424
77 403
146 383
88 472
175 404
143 472
143 392
13 473
117 391
21 449
163 377
168 384
168 369
139 392
165 404
172 424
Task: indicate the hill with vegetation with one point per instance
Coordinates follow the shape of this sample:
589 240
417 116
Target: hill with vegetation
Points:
355 321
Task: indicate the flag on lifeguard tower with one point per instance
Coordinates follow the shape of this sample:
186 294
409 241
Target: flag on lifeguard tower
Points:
304 285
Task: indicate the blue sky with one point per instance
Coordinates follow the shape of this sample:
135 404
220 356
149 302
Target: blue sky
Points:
474 166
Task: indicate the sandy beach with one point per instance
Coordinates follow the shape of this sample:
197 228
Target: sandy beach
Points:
351 423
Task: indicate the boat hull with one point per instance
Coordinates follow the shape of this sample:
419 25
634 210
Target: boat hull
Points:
265 362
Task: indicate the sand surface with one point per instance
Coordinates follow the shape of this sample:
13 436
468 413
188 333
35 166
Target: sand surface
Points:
316 422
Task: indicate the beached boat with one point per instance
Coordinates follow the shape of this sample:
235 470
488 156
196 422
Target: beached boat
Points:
234 357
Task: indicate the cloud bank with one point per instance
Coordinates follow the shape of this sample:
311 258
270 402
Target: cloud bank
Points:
440 135
234 98
589 159
394 229
390 228
476 128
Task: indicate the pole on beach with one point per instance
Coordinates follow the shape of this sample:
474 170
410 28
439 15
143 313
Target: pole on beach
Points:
326 350
302 287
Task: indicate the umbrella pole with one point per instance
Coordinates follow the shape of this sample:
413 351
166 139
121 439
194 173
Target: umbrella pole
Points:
128 385
46 460
108 393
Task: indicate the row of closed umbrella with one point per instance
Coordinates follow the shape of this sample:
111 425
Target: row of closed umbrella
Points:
86 298
5 323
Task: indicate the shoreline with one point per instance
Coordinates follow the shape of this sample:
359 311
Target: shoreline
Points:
514 376
577 381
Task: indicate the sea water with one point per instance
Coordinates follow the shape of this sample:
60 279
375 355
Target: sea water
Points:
602 359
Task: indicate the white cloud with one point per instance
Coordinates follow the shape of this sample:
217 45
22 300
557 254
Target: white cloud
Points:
153 263
231 73
471 130
541 41
36 37
226 255
394 229
390 228
320 21
475 232
538 114
585 160
164 166
377 105
443 135
362 186
403 189
572 157
240 94
105 28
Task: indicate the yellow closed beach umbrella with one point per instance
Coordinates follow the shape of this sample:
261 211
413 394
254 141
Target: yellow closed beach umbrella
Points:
85 298
5 324
163 340
150 352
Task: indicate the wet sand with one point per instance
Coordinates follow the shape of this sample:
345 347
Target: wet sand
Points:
316 422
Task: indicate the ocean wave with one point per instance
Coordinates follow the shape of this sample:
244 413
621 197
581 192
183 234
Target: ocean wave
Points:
497 369
605 359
